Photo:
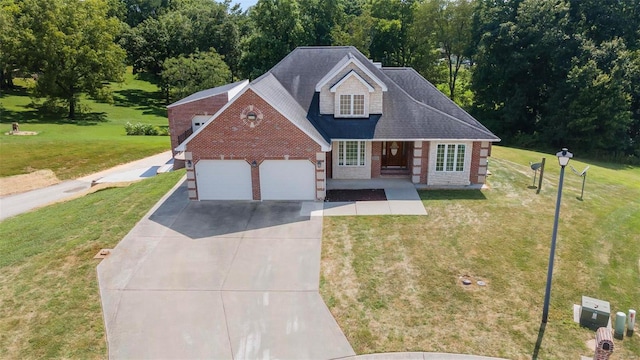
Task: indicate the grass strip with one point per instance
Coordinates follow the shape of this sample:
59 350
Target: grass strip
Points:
49 297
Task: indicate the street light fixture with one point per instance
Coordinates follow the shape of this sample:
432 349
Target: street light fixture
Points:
563 159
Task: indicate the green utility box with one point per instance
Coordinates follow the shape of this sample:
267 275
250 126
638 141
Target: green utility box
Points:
594 313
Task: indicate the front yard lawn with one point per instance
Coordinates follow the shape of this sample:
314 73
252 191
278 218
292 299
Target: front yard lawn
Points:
94 142
49 297
394 282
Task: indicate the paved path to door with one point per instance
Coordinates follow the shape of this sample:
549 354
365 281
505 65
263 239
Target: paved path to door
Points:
402 198
223 280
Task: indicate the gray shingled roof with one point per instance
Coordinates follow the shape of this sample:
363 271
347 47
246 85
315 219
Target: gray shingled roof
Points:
422 90
412 108
207 93
273 92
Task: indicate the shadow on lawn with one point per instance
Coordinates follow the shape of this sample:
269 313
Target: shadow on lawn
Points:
40 116
35 113
16 91
151 103
536 350
451 195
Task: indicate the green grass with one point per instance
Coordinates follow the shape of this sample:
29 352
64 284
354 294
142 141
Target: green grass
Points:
49 297
393 282
94 142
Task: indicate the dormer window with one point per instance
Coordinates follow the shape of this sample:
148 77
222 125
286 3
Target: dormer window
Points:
352 105
351 90
352 93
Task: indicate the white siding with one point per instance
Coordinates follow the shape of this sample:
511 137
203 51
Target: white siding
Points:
351 172
436 178
327 98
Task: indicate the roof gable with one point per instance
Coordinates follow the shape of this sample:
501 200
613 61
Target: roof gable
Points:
231 89
349 75
346 61
269 93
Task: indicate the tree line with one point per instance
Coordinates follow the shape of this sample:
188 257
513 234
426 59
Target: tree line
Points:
539 73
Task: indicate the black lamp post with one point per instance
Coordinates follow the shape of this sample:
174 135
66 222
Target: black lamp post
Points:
563 159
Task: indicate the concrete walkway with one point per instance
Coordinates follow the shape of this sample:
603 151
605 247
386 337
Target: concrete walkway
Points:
402 198
219 280
12 205
419 356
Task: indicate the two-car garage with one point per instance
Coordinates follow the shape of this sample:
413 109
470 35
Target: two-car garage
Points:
279 180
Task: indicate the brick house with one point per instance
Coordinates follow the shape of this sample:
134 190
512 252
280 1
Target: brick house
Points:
324 113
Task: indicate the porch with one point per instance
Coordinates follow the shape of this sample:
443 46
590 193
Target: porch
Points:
364 160
375 183
402 198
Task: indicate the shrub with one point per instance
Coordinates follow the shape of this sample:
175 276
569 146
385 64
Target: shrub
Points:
141 129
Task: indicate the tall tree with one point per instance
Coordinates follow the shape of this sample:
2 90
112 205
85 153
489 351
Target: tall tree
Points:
634 91
606 20
154 40
390 41
524 51
277 31
72 49
11 48
446 25
355 26
545 77
138 11
591 108
185 75
186 27
320 17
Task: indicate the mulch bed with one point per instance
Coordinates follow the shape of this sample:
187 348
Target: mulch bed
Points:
355 195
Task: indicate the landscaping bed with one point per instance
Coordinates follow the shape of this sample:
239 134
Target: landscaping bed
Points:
355 195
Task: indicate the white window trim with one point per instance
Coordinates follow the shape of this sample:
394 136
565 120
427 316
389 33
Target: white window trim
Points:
361 153
455 158
339 114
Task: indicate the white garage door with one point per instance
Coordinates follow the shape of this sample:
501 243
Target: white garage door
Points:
223 180
287 180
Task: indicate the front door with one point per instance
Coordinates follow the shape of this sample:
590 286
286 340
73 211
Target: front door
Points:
394 154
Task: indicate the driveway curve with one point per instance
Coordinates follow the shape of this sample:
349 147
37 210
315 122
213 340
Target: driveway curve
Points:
222 280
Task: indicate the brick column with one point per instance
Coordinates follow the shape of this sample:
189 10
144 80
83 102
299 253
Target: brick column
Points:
376 159
479 154
321 176
482 166
255 180
417 162
424 170
191 176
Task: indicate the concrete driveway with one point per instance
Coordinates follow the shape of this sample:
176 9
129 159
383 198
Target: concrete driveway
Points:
219 280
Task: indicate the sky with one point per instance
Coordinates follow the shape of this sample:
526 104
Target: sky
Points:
244 3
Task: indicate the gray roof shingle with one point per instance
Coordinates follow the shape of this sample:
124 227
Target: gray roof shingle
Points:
207 93
412 108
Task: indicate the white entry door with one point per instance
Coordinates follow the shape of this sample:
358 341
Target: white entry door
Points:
287 180
223 180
